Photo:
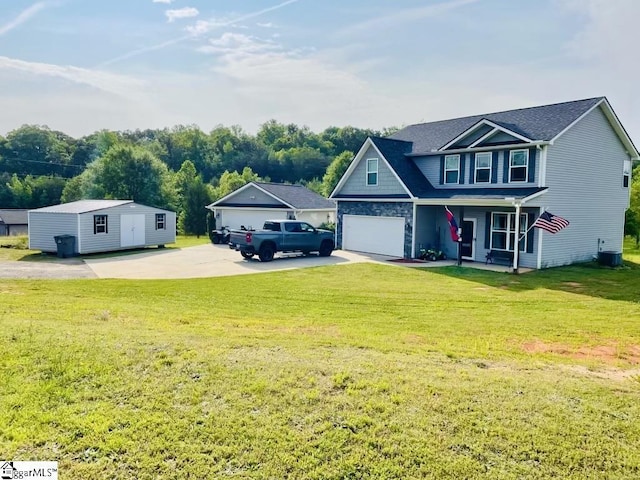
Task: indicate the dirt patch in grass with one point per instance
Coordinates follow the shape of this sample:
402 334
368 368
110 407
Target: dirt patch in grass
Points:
606 353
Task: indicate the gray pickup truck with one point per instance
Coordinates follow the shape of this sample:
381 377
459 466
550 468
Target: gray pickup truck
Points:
281 236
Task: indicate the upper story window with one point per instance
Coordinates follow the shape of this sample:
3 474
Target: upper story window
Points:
626 173
483 167
161 221
372 171
452 169
100 224
518 165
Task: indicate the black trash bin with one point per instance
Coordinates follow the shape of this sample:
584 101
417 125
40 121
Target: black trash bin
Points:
66 245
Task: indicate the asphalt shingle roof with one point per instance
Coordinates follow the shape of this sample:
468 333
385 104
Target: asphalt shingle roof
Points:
298 196
394 152
82 206
14 216
537 123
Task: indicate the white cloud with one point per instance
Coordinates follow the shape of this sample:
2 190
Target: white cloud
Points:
162 1
22 17
107 82
186 12
400 17
265 25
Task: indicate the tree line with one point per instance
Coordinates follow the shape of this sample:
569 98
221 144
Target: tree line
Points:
180 168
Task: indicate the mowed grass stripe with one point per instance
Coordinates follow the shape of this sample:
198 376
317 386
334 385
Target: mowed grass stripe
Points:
358 371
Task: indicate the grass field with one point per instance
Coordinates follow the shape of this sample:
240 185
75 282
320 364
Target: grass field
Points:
358 371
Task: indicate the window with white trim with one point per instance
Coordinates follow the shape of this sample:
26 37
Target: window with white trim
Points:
518 165
626 173
372 171
161 221
483 167
503 226
452 169
100 224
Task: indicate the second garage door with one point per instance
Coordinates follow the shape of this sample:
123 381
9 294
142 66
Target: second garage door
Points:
382 235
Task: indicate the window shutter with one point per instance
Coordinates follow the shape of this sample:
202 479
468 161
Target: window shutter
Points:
532 165
505 173
461 176
472 168
106 224
531 217
487 231
441 169
95 229
494 167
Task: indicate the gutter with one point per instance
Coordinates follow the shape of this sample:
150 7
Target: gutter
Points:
538 143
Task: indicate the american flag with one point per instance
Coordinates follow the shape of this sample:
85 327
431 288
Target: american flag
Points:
550 222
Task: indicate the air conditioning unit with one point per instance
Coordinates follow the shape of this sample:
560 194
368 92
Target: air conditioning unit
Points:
610 258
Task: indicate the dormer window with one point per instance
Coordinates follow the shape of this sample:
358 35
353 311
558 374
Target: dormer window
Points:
372 171
483 167
452 169
626 173
518 165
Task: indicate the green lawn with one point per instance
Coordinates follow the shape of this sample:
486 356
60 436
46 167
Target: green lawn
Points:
358 371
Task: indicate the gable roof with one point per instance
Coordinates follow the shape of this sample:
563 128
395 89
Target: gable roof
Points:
14 216
542 123
297 197
82 206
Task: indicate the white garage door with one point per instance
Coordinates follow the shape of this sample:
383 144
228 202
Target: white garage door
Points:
248 218
383 235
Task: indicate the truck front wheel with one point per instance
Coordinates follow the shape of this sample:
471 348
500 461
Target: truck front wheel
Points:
326 247
266 253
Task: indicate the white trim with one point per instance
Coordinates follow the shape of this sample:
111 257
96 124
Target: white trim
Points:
539 259
413 231
615 123
259 208
367 172
479 149
477 125
474 242
542 169
475 165
444 177
356 160
245 187
526 175
79 237
485 136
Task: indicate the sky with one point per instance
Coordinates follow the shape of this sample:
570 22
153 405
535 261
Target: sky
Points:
79 66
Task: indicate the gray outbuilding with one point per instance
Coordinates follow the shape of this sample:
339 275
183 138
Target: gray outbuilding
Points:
101 226
13 221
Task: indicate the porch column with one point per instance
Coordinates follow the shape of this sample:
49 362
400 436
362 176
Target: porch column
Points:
516 236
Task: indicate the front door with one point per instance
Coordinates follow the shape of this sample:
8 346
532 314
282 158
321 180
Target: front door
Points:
468 238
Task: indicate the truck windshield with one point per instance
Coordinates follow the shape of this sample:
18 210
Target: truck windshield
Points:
273 226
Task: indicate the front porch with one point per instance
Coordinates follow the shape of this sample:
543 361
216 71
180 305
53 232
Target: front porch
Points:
415 263
484 229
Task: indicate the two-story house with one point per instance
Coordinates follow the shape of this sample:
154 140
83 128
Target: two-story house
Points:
497 173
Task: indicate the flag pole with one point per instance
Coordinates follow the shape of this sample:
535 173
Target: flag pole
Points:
530 227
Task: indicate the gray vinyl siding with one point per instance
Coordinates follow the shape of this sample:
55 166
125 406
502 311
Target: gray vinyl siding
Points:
430 168
469 139
501 137
356 184
584 176
43 226
104 242
259 198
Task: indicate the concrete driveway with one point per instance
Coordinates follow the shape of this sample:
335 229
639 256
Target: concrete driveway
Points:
209 261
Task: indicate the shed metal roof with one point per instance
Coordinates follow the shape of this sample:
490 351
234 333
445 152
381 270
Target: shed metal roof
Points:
14 216
82 206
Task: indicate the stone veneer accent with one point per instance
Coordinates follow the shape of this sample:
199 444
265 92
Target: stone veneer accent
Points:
378 209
